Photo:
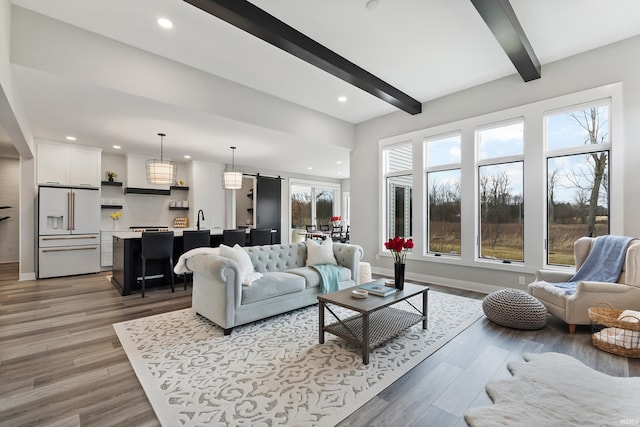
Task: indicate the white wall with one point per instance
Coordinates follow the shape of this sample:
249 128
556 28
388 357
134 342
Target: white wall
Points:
9 196
14 123
618 62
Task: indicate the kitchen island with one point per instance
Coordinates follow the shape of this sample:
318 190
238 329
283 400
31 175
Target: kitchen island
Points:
127 260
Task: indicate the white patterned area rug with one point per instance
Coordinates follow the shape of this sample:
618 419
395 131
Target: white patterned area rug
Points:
273 372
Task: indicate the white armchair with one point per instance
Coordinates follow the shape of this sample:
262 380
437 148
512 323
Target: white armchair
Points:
573 309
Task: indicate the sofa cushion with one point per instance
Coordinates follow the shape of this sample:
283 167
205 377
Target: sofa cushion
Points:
320 253
238 254
272 285
312 277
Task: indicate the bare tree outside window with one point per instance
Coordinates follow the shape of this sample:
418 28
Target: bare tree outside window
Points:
444 212
501 191
501 208
443 168
578 196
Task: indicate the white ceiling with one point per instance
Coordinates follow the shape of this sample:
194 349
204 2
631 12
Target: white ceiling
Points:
426 48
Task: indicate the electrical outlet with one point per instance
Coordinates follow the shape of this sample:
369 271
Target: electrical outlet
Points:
521 280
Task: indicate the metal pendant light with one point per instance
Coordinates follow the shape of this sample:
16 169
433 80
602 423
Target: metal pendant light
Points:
233 179
161 171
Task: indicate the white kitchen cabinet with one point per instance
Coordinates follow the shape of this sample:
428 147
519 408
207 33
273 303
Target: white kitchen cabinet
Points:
52 163
207 194
106 248
84 166
66 164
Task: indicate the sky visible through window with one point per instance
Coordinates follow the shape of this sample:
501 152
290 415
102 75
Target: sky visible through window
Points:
444 151
573 171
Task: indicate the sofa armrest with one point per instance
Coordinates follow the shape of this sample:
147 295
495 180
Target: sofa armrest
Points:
553 276
349 256
221 273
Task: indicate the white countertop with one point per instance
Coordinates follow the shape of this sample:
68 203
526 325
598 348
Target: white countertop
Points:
126 234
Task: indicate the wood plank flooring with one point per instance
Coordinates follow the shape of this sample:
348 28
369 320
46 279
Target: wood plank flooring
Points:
61 363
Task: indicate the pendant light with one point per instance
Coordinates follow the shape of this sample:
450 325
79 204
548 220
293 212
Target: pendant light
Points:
233 179
161 171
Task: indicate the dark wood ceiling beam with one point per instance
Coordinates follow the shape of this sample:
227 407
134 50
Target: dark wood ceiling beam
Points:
252 19
503 23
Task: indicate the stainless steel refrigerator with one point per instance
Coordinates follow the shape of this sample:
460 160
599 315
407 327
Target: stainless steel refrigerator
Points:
68 231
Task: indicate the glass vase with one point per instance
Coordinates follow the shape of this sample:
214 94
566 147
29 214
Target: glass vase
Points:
398 270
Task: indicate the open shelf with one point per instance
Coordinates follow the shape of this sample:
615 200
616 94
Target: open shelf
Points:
178 208
151 191
111 183
111 206
179 187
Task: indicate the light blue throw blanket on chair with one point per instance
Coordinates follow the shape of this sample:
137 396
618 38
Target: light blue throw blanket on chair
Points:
329 277
603 264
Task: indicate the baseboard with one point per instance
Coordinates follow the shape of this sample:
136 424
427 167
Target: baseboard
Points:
27 276
442 281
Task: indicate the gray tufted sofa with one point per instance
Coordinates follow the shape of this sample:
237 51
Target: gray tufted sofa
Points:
286 284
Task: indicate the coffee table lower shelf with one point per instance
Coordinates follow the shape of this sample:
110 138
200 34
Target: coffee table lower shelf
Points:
383 325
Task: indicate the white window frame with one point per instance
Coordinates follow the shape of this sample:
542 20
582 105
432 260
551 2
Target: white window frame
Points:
384 217
496 161
438 168
534 179
583 149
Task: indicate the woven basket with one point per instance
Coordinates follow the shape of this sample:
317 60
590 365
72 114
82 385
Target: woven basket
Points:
612 335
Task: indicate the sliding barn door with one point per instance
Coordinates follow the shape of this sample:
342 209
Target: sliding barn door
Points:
268 205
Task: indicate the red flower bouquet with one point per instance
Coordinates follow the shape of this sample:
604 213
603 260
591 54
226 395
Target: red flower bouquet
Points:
399 247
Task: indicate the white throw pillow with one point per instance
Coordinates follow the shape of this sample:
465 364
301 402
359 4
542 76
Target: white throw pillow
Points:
240 256
320 253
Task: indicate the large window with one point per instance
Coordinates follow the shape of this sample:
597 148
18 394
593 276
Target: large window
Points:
443 156
398 164
301 206
577 178
313 204
501 191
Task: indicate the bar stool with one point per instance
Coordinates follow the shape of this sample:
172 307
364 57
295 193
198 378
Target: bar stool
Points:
192 239
157 245
260 236
233 237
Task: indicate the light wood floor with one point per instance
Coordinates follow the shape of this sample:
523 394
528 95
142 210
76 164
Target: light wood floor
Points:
61 363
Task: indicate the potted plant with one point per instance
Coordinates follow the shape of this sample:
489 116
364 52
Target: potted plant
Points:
111 175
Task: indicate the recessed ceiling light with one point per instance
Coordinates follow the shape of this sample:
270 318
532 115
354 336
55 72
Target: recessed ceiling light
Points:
117 147
71 138
372 4
339 162
165 23
309 168
342 98
186 156
339 173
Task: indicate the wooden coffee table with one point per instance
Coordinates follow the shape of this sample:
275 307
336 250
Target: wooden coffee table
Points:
377 321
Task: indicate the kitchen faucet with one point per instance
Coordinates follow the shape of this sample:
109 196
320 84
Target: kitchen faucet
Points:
200 212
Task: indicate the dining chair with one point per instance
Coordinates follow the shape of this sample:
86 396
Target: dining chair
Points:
336 233
233 237
157 245
260 236
345 238
310 230
192 239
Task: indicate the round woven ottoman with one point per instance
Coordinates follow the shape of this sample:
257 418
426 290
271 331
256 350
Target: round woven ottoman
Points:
514 309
